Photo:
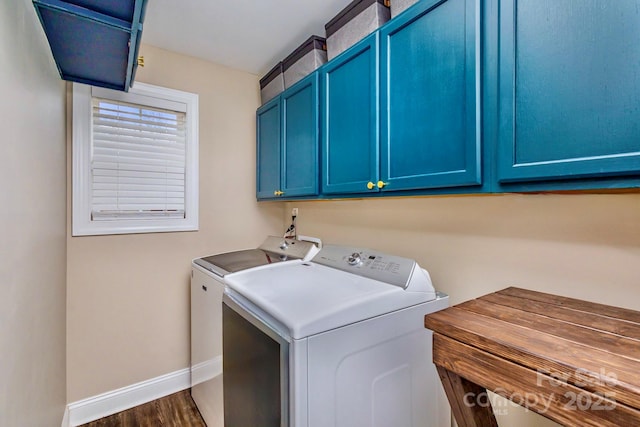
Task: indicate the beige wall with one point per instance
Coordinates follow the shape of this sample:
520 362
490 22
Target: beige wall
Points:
583 246
128 296
32 223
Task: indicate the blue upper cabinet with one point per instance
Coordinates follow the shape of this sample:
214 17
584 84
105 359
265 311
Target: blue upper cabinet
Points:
422 129
287 143
94 42
569 89
430 121
268 149
300 139
350 120
468 96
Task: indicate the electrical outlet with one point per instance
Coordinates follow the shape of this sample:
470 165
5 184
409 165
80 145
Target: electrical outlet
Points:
294 212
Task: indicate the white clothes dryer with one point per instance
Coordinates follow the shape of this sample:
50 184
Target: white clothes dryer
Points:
335 342
207 287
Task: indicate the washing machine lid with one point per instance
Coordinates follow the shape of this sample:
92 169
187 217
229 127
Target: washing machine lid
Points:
272 250
309 298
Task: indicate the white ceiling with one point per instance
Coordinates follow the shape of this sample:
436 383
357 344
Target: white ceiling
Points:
250 35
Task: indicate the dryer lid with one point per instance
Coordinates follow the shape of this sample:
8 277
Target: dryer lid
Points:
272 250
232 262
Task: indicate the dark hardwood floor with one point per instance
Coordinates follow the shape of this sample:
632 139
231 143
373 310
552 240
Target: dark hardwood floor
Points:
176 410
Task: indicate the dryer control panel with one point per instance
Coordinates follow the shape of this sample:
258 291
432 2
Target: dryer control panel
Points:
375 265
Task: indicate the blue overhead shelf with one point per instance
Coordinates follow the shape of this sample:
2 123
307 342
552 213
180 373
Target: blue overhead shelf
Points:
94 42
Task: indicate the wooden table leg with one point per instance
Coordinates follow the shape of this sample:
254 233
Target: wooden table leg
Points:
468 408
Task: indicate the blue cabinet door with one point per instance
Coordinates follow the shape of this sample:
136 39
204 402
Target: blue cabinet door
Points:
300 141
268 149
430 123
350 119
569 89
94 42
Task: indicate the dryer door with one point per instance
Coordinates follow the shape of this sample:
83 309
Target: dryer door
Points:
255 369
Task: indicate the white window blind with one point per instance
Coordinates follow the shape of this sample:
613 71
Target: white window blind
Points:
138 161
135 160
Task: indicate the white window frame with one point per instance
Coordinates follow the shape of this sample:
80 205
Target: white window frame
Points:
142 94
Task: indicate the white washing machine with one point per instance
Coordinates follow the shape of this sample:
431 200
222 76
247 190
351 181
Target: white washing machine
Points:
335 342
207 287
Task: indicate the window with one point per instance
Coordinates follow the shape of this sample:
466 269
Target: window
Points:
135 160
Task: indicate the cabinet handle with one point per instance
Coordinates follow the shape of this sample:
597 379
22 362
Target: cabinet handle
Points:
382 184
278 193
370 185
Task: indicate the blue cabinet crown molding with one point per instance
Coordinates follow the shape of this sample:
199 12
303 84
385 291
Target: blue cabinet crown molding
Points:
94 42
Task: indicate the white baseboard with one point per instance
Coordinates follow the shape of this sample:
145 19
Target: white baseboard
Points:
204 371
109 403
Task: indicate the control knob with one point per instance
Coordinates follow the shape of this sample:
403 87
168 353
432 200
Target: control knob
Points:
354 259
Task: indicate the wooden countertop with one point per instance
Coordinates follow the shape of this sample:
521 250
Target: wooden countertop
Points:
575 362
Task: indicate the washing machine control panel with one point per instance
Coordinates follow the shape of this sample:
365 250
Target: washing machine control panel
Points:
375 265
354 259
